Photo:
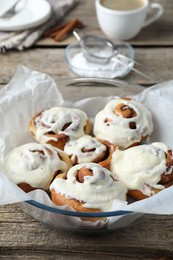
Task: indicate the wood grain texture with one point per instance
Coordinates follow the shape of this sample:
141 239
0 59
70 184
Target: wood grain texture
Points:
26 237
21 236
156 63
157 34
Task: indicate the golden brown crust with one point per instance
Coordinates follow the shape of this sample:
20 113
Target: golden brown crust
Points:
64 157
127 112
32 127
26 187
62 139
124 111
87 127
143 139
102 156
62 200
139 195
166 180
110 149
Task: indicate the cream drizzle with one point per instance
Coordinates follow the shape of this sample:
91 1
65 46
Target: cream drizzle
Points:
118 131
34 164
140 167
75 149
97 191
54 119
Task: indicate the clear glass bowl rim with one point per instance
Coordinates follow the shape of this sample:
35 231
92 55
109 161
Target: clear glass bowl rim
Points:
78 214
127 45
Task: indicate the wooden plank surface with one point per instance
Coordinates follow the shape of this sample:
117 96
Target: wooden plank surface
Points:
155 62
156 34
27 238
21 236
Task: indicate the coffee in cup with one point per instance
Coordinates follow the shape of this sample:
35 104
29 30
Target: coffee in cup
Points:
122 5
124 19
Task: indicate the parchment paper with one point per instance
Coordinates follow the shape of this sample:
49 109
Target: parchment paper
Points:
29 92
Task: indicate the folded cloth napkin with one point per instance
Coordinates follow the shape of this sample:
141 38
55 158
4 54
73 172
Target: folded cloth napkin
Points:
23 39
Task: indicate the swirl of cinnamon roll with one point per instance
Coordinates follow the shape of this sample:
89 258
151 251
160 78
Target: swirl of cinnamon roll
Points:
58 125
85 149
145 169
123 122
87 187
33 166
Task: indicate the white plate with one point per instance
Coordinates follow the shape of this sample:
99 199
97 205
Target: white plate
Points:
29 13
5 5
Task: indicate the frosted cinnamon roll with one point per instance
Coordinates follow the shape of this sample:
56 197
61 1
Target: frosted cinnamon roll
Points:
87 187
145 169
33 166
123 122
58 125
85 149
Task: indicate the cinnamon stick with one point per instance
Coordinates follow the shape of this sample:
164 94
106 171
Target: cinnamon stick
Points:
53 31
59 32
75 23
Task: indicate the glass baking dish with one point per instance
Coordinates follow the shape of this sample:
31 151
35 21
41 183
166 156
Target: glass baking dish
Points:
64 219
41 207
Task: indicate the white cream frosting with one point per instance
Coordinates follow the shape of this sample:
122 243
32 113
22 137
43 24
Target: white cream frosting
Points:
54 119
140 167
93 149
97 191
117 131
34 164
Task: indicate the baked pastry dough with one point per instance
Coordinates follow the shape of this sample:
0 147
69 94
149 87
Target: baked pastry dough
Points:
32 166
123 123
85 149
87 187
58 125
144 169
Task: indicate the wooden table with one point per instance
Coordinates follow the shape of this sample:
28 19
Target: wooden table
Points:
22 237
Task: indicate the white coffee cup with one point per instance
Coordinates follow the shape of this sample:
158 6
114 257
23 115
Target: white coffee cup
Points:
126 24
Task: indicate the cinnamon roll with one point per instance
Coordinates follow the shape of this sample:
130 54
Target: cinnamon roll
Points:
86 149
144 169
33 166
123 123
58 125
87 187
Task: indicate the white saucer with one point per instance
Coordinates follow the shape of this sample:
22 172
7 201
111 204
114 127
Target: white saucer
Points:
29 13
6 5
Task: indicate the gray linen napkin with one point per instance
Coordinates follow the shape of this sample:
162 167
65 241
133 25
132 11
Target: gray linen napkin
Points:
23 39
